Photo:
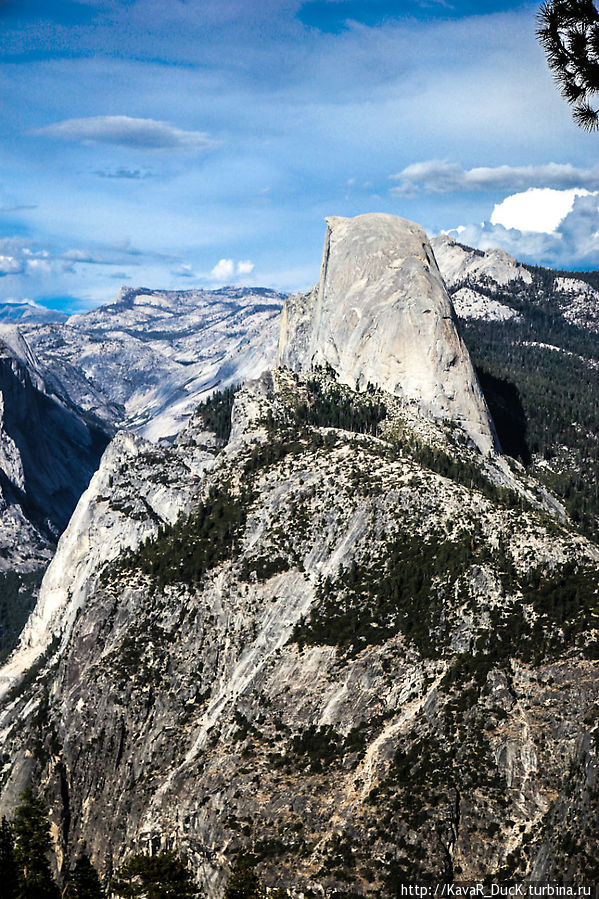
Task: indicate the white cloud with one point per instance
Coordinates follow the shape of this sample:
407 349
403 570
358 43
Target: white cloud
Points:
9 265
17 258
39 266
441 177
573 244
125 131
226 269
223 270
537 209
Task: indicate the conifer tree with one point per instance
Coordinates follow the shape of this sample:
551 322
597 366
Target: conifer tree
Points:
569 34
162 876
8 865
32 847
83 882
243 881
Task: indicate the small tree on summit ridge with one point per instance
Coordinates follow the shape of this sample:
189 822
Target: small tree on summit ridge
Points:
569 34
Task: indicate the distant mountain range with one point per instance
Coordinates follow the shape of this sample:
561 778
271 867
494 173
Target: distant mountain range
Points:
145 360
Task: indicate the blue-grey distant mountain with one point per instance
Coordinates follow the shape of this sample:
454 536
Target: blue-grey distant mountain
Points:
28 311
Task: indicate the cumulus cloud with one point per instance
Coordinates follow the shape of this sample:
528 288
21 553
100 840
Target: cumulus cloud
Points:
16 257
223 270
245 267
438 176
125 131
573 244
538 209
226 269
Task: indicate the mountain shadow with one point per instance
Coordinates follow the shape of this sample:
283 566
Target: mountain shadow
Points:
503 399
58 448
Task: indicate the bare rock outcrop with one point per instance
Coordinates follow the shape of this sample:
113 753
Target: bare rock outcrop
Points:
381 315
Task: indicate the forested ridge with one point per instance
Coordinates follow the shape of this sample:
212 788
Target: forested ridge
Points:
540 375
417 591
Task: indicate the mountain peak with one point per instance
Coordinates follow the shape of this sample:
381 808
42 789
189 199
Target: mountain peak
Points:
381 315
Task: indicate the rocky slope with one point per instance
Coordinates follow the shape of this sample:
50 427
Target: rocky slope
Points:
459 264
532 334
48 453
358 656
141 362
345 639
475 279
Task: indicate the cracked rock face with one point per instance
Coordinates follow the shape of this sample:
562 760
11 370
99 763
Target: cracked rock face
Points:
381 315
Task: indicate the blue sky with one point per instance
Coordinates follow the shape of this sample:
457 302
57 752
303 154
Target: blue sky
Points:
194 142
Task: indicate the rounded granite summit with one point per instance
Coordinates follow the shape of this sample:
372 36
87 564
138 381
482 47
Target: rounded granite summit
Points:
381 315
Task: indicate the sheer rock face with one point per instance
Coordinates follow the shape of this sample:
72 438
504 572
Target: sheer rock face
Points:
381 315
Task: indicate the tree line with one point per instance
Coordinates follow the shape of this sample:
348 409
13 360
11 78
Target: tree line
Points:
26 870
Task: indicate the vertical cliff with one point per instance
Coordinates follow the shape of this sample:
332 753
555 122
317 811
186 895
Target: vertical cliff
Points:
381 315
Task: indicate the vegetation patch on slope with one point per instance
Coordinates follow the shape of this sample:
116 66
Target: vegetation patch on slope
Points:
411 588
184 552
216 412
540 376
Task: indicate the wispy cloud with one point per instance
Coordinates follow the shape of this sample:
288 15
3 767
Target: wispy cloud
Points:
125 131
21 257
17 208
183 271
437 176
132 174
